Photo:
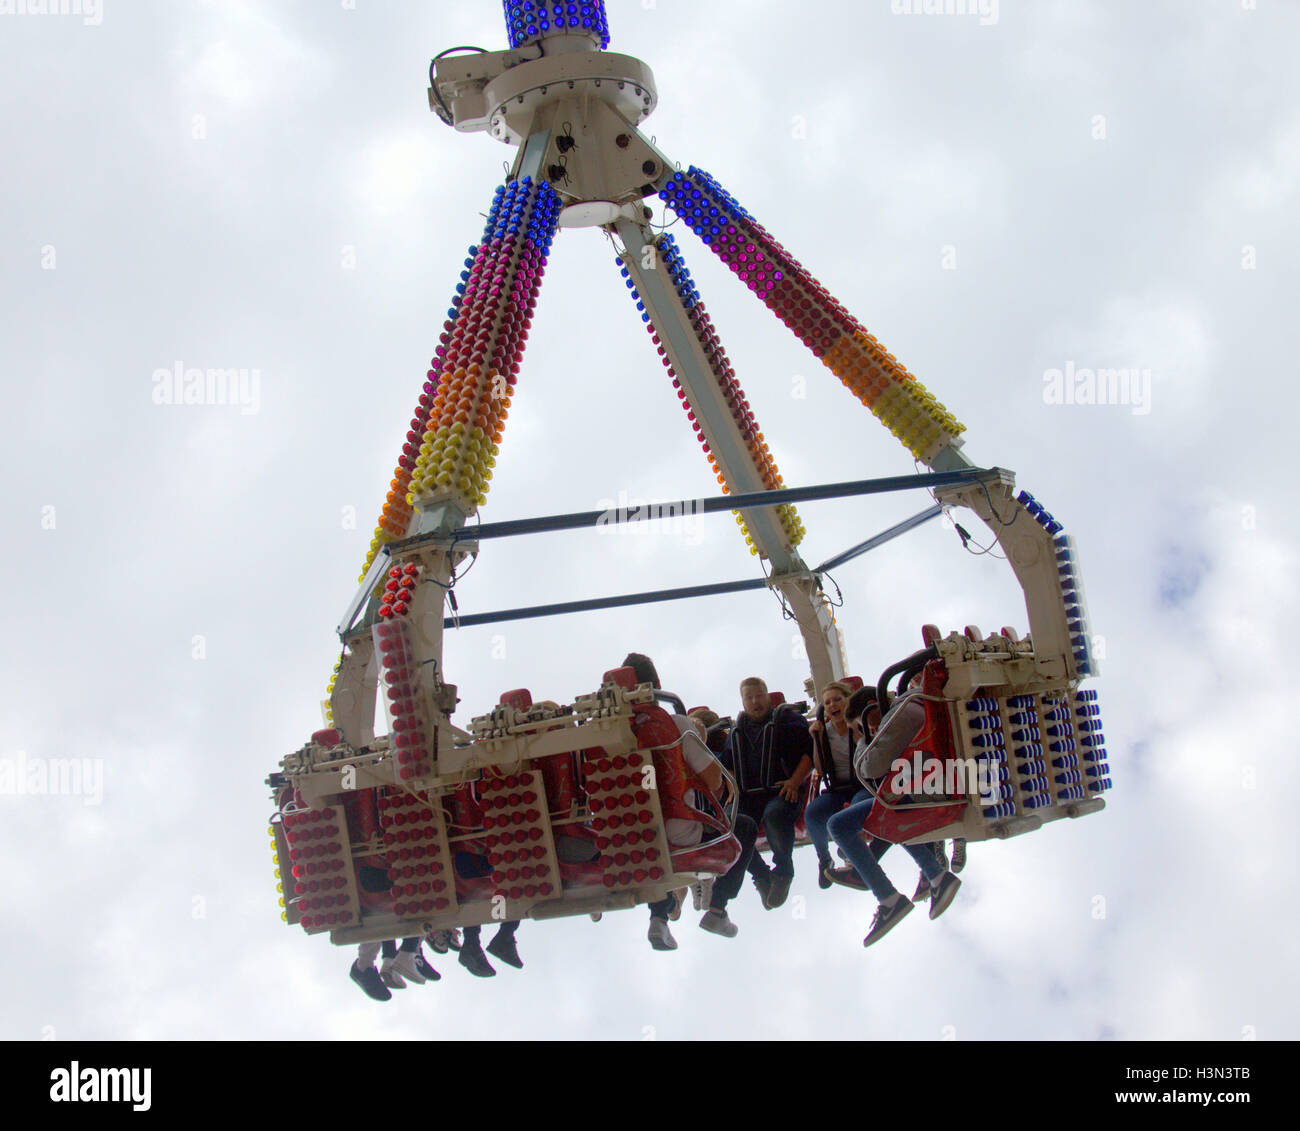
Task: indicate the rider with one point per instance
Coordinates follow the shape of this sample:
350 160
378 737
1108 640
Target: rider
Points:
770 753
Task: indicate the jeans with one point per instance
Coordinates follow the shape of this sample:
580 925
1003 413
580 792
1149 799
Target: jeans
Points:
727 885
844 828
820 810
471 934
777 816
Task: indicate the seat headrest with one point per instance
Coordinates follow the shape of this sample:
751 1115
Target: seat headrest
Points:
623 677
520 699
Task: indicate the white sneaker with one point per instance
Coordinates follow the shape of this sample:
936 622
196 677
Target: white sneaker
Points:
702 893
660 936
404 964
392 979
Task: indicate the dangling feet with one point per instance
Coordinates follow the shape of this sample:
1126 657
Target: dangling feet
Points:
779 890
371 982
719 923
763 882
660 936
392 978
945 890
848 877
444 940
503 947
958 854
475 961
679 901
888 915
824 867
702 893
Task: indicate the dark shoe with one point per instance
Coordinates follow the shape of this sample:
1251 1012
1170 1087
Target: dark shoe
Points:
958 854
372 982
778 891
504 948
887 918
944 893
427 972
922 890
824 867
763 882
475 961
848 877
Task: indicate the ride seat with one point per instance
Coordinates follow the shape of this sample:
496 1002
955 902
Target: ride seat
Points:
898 817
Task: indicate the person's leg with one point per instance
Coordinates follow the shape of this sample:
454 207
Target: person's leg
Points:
503 944
412 964
390 948
662 908
727 885
779 816
751 806
844 828
928 859
819 811
365 975
471 954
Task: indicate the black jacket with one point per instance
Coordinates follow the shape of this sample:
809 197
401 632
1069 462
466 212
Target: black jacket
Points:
763 753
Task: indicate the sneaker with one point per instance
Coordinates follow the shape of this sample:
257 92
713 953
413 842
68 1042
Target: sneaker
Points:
702 893
427 972
660 936
779 890
944 893
888 916
958 854
941 851
848 877
392 979
763 882
438 942
719 924
453 938
503 947
824 868
596 915
405 965
922 890
679 901
371 981
475 961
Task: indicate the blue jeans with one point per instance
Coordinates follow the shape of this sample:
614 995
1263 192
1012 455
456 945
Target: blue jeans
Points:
820 810
844 827
777 816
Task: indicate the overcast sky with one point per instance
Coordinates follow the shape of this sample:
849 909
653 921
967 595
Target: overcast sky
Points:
1035 186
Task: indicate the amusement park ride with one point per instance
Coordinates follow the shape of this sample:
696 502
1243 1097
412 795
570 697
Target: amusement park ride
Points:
526 782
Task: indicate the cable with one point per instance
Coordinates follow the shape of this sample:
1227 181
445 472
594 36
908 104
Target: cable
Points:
446 114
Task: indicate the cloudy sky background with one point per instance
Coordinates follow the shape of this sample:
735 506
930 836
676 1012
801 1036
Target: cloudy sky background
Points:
261 186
